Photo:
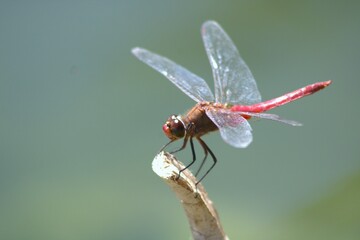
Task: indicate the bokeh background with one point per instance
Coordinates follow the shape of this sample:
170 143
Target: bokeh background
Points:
80 119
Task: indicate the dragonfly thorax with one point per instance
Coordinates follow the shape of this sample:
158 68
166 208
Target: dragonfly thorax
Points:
174 127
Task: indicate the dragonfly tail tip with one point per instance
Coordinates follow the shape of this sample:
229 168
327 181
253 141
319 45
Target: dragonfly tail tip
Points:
327 83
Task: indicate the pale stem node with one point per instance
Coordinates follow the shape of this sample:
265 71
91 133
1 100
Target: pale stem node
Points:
202 216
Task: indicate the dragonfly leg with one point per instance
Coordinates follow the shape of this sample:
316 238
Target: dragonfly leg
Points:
189 127
203 144
188 136
203 161
163 147
182 147
194 158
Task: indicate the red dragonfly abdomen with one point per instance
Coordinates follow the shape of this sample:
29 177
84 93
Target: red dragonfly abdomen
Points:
286 98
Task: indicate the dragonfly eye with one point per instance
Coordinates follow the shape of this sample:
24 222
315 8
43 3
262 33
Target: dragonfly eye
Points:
174 128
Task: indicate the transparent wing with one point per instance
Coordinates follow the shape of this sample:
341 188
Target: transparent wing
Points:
234 82
194 86
234 129
271 117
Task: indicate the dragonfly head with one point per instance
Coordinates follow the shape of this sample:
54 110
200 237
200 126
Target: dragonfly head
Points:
174 127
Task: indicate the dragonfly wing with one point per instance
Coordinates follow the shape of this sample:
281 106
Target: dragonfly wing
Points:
271 117
234 129
194 86
234 83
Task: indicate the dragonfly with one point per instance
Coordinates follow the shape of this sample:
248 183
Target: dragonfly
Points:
236 101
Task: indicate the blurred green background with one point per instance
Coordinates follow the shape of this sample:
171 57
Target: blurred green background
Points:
80 119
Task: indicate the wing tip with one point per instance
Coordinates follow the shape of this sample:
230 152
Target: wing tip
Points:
293 123
209 23
242 144
136 50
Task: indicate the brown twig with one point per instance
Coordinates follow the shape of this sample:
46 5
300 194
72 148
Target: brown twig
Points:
202 216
